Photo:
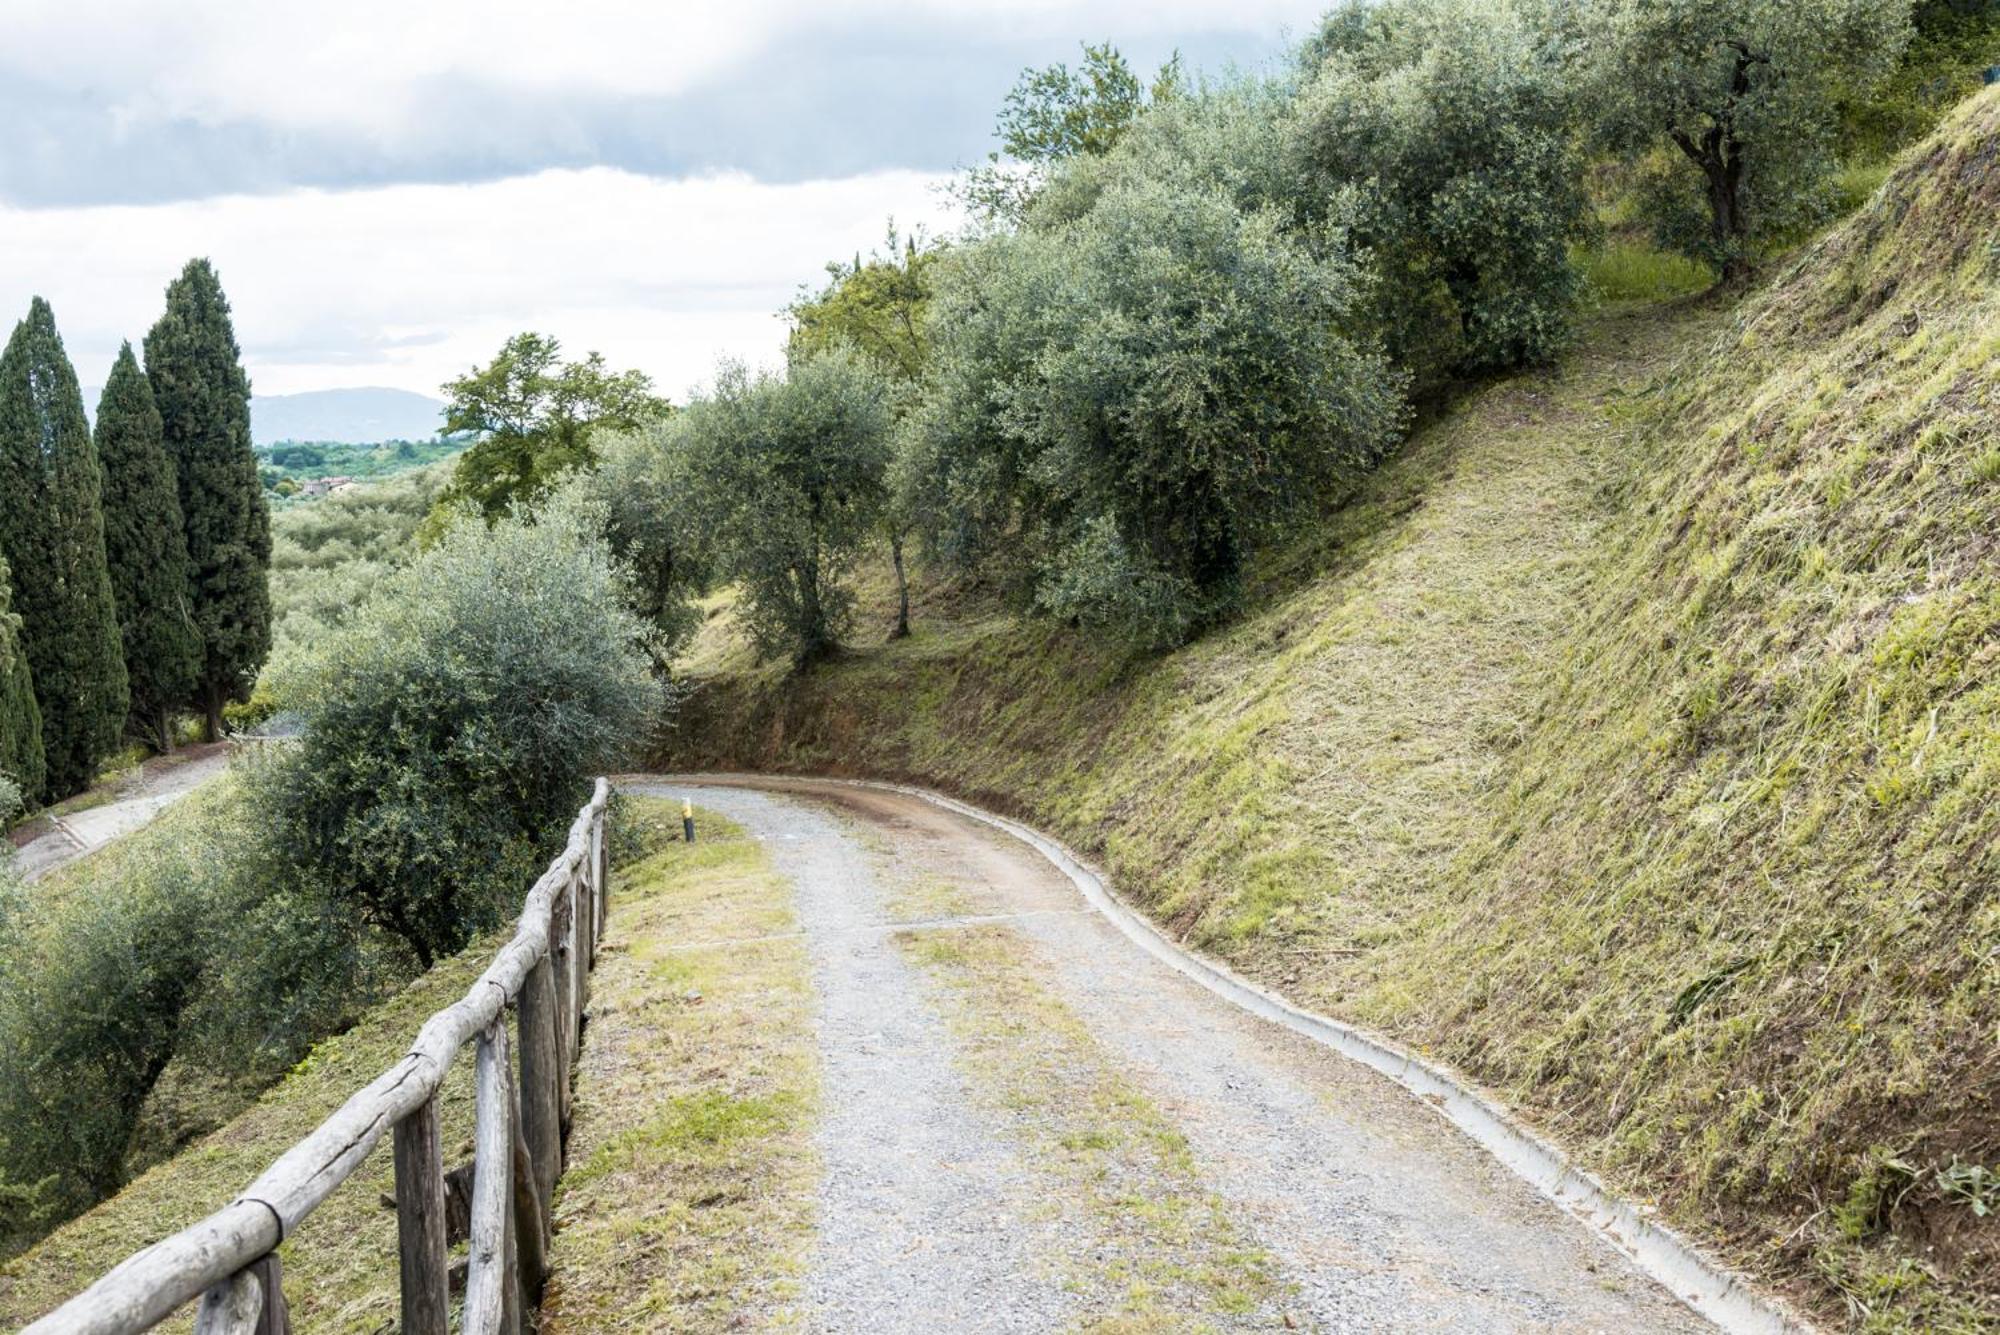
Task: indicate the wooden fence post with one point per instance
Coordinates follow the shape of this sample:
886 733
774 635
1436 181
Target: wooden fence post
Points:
231 1307
534 1217
420 1223
276 1316
487 1274
563 972
541 1074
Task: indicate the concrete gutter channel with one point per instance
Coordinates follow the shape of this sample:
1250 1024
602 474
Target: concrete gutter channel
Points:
1707 1286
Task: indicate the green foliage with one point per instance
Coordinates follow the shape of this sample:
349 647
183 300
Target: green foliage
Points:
655 527
452 725
146 549
1126 405
1449 128
1747 92
22 765
328 556
297 462
879 307
788 472
1055 115
181 942
204 401
52 532
533 415
1951 43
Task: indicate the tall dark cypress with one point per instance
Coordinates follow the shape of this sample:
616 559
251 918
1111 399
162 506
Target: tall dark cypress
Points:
204 402
20 717
147 552
52 531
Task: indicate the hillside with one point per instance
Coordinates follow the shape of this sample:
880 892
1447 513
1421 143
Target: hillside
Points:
1629 744
362 416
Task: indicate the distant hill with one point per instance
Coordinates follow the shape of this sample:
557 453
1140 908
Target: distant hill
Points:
352 416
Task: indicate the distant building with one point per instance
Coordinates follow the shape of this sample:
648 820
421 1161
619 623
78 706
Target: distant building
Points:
320 486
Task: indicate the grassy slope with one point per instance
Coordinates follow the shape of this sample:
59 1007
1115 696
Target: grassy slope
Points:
1630 744
340 1268
631 1251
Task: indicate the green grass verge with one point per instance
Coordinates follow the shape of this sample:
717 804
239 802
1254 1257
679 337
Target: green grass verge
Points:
688 1202
1629 743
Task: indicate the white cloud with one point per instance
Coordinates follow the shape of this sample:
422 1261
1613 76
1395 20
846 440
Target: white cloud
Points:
408 285
364 64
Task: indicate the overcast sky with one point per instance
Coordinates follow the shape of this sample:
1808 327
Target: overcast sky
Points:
390 187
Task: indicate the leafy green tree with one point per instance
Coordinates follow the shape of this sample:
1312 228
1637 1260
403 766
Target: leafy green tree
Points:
880 309
21 760
52 531
1125 406
653 524
145 545
203 398
1746 92
453 723
1057 114
533 415
1446 132
789 472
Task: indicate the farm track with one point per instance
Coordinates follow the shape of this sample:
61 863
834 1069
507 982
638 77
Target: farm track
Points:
1298 1189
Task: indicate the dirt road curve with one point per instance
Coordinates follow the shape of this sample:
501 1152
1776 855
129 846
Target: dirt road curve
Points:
1288 1187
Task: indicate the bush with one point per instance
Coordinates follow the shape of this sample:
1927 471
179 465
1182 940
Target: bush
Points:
1453 131
1126 404
185 939
452 725
788 474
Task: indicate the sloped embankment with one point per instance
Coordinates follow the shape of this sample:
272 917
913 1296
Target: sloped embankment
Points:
1633 743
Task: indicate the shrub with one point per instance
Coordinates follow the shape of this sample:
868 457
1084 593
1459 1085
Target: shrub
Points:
184 939
452 725
1126 404
789 475
1452 129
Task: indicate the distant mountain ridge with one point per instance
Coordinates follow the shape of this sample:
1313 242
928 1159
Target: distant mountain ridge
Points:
361 416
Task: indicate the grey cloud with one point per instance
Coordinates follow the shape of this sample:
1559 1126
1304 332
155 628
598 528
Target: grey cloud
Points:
815 105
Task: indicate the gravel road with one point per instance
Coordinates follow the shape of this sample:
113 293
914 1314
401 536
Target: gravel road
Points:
155 788
1379 1215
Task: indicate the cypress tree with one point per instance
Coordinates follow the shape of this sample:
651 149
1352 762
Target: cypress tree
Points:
20 718
147 552
204 402
52 532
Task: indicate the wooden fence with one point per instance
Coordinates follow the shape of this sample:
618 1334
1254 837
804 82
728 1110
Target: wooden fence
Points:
501 1200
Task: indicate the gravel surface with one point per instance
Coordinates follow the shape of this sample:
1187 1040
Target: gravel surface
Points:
927 1219
1380 1215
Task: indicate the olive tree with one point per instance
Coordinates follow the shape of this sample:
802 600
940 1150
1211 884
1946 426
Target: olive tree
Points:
1746 94
790 471
452 725
642 488
1125 405
881 309
1449 124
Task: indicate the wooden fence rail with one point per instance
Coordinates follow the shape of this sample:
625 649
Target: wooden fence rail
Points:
229 1260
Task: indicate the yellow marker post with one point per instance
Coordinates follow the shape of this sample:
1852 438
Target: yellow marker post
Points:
687 819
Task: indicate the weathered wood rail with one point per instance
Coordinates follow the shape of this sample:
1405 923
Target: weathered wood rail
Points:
229 1261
